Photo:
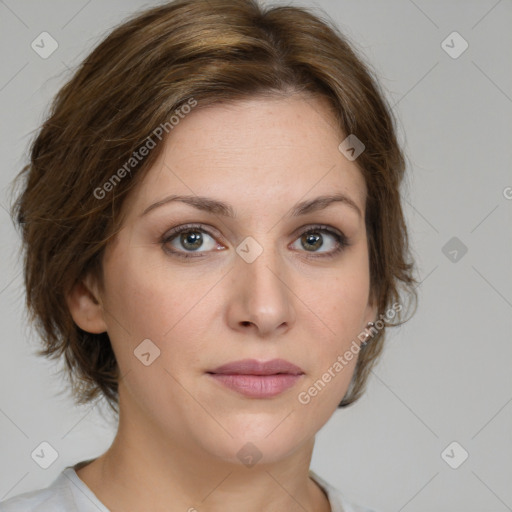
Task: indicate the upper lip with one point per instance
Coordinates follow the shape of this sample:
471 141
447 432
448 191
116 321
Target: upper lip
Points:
254 367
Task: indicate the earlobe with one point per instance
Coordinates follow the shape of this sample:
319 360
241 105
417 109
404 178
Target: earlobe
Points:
371 315
371 309
85 307
369 327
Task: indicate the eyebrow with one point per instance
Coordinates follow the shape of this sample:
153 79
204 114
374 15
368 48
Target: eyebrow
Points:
217 207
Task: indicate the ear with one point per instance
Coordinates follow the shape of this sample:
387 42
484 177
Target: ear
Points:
84 303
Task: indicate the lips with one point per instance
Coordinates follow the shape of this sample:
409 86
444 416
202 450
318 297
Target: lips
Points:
254 367
255 379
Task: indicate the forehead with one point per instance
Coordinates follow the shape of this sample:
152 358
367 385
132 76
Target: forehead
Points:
253 152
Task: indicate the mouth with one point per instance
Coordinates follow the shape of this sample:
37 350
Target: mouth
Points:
257 379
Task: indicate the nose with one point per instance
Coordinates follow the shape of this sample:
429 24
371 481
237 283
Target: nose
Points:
261 298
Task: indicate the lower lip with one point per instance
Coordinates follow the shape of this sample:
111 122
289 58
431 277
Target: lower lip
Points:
258 386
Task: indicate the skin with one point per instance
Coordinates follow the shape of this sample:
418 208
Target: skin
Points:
179 430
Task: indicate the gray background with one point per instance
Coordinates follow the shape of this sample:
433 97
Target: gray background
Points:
445 376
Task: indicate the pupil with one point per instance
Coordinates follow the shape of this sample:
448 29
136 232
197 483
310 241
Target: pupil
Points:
314 240
191 240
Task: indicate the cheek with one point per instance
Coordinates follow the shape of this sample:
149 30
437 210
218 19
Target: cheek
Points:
169 306
138 306
148 296
343 296
340 305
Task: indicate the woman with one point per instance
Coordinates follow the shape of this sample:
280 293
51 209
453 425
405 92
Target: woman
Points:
215 244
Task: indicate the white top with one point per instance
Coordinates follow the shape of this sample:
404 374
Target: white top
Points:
68 493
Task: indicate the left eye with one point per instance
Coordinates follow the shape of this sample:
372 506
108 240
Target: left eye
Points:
314 239
191 239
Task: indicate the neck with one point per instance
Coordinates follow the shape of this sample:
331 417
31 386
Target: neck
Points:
143 466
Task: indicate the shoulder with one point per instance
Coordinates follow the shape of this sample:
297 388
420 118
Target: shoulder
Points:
52 497
59 496
338 501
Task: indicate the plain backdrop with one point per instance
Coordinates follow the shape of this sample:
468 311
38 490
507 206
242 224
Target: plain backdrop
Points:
445 376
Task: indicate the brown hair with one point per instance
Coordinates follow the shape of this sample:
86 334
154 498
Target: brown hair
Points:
203 51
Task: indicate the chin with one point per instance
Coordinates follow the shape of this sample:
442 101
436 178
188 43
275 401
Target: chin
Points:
265 443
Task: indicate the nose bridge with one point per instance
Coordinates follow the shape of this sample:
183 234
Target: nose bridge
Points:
261 277
260 264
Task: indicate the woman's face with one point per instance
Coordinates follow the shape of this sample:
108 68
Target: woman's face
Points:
249 285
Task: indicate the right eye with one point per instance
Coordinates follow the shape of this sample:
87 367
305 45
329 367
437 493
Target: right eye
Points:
188 239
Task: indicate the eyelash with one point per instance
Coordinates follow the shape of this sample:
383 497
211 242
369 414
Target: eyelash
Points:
341 240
